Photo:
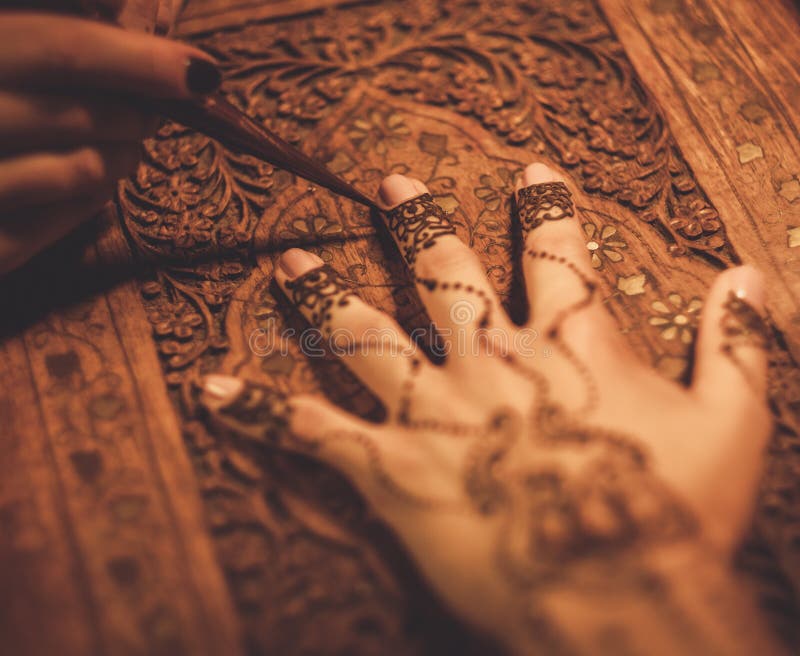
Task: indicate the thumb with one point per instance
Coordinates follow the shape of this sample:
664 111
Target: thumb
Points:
305 424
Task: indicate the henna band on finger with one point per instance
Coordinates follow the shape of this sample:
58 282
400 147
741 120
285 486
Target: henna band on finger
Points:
743 324
261 412
417 224
548 201
317 292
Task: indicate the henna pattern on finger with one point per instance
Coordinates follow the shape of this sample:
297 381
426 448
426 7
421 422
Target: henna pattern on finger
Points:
482 320
317 292
553 331
388 482
547 201
262 415
417 224
743 325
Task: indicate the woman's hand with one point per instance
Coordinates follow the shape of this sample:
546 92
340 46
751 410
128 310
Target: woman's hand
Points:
555 491
73 111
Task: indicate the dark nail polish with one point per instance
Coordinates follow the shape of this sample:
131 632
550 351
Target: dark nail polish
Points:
202 77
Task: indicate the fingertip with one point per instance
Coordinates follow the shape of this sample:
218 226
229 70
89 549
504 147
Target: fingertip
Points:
218 390
295 262
747 283
537 173
396 189
202 74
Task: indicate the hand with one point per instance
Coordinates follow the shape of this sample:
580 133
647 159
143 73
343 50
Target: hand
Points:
73 112
565 498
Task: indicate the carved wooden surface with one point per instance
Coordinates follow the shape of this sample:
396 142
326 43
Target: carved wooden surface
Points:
132 528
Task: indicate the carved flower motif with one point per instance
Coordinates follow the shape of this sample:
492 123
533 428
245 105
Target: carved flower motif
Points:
379 132
603 243
332 88
187 230
610 107
423 15
498 189
181 194
313 229
613 139
147 217
430 89
676 317
608 179
695 219
177 321
232 235
214 293
174 154
509 123
301 103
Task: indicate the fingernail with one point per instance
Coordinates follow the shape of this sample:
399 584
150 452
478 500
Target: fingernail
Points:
202 77
396 189
537 173
747 283
221 388
295 262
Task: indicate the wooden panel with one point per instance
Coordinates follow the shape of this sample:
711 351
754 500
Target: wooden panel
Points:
462 94
100 507
151 533
208 15
727 78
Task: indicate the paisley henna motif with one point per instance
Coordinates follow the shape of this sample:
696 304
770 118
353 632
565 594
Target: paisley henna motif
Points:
317 292
417 224
548 201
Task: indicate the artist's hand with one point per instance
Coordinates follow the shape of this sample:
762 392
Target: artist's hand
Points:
554 490
73 93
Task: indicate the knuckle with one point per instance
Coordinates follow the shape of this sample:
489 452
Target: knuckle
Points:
74 117
449 254
558 238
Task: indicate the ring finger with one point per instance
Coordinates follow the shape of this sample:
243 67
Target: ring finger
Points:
50 177
450 278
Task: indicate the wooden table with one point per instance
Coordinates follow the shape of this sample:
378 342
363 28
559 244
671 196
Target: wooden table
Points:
128 527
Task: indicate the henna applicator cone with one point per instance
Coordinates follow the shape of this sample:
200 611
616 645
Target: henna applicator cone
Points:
217 118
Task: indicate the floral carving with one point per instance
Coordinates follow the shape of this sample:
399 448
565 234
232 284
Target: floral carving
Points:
676 318
562 83
546 77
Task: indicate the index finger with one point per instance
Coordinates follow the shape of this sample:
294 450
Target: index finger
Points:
40 50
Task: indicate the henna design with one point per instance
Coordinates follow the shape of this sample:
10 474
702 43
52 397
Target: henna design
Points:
316 292
417 224
613 506
548 201
261 414
554 333
743 325
388 482
431 284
